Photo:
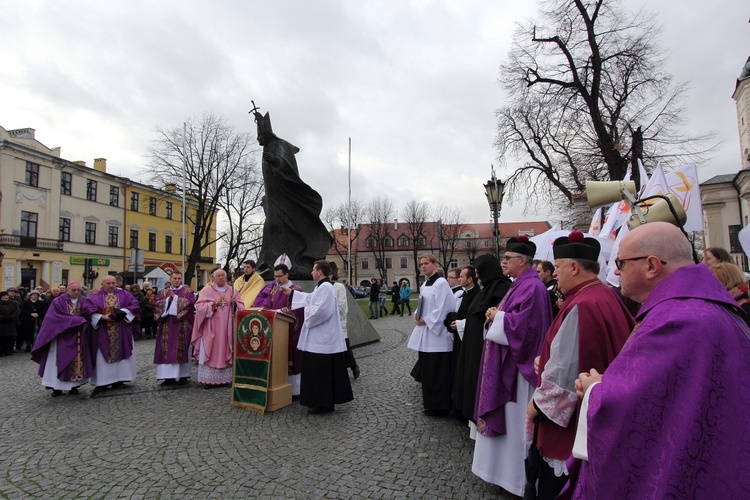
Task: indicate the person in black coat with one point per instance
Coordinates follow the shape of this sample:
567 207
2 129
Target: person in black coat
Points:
9 313
32 315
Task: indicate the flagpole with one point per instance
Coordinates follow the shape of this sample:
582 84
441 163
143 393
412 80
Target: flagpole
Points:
349 218
184 174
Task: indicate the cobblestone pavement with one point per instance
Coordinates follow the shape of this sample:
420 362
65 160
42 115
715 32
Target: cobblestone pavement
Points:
144 441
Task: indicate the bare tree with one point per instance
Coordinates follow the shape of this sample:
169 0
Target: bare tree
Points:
584 82
451 224
416 214
209 154
345 216
243 209
379 215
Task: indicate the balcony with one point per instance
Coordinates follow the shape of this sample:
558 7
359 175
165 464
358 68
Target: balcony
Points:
11 240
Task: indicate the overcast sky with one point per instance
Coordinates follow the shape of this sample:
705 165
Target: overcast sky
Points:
413 83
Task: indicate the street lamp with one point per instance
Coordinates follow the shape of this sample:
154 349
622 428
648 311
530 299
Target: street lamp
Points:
495 190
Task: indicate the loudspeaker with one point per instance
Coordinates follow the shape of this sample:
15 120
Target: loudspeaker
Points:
659 211
603 193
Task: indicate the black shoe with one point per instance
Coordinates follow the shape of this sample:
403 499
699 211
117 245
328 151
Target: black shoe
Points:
372 317
183 381
56 393
355 371
73 391
118 385
169 381
98 390
320 409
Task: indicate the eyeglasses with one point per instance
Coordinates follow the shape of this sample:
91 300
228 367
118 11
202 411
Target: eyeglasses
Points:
279 275
452 277
508 257
620 262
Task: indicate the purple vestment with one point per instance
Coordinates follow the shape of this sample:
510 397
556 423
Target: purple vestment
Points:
272 298
528 314
174 332
671 417
114 340
64 321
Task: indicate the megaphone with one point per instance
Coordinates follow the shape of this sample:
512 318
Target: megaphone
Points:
603 193
660 212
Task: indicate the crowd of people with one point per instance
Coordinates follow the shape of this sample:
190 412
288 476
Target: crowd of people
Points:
572 388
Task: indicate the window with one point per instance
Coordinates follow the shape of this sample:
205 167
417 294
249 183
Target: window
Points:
91 190
32 174
169 210
66 183
365 264
168 244
64 229
734 239
65 274
370 242
403 241
468 243
91 233
486 243
28 224
133 238
421 241
388 241
152 205
134 202
182 246
404 262
114 196
113 236
453 264
152 242
388 262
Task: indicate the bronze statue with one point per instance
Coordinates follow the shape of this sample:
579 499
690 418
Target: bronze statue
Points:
292 208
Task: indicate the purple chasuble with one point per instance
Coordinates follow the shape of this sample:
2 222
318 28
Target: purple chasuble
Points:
173 332
114 340
64 321
671 417
528 314
272 298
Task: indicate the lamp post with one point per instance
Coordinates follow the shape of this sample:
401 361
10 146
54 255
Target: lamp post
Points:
495 190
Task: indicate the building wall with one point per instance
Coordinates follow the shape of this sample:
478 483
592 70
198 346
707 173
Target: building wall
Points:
49 259
742 103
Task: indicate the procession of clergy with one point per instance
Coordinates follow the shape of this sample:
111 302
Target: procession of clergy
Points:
90 339
581 399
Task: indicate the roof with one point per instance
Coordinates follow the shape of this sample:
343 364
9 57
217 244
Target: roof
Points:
719 179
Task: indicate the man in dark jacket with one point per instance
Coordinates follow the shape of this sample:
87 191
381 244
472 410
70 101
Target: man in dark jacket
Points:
32 314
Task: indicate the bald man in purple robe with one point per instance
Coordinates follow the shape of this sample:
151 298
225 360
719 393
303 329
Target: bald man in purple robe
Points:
63 346
669 418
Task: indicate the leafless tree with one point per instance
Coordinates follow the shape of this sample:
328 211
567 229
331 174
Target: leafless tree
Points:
416 215
243 209
451 224
379 215
584 82
210 154
344 216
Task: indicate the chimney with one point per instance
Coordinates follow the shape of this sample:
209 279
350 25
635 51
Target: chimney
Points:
22 133
395 224
100 164
170 188
80 162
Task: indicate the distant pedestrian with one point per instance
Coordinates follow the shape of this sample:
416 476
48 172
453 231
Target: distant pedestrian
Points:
395 299
374 299
9 313
405 295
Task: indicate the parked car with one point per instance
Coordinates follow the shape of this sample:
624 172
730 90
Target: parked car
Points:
355 293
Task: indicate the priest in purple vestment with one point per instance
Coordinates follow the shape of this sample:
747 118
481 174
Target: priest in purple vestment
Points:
669 418
63 346
115 317
589 330
271 297
506 373
214 330
174 311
